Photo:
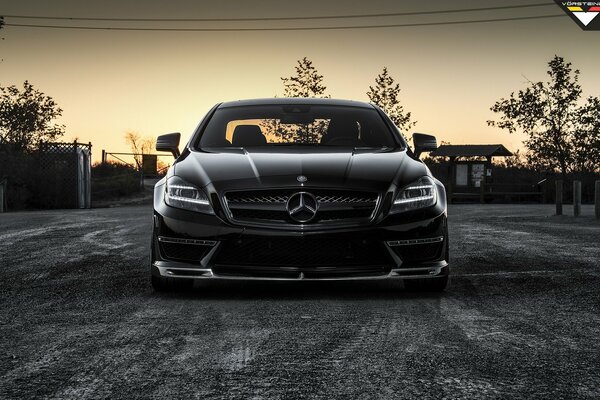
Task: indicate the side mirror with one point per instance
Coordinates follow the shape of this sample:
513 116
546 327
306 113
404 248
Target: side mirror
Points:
169 142
424 143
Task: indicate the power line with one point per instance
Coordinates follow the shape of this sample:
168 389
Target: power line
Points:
280 18
284 28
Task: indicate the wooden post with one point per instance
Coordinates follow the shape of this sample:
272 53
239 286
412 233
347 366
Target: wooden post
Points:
576 198
597 199
559 197
482 192
452 180
542 185
103 156
2 195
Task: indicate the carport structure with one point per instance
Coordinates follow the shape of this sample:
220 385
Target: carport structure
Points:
471 172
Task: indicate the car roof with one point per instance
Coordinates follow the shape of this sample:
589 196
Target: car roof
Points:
295 100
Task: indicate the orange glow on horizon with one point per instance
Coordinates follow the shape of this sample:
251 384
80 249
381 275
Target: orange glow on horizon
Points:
110 82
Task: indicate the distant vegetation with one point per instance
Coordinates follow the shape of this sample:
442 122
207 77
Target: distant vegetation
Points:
113 180
139 146
562 128
385 94
26 118
306 83
563 132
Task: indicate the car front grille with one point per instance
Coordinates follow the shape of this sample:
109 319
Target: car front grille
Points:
270 206
288 257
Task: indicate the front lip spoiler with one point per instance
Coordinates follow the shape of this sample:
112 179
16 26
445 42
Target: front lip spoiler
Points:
172 269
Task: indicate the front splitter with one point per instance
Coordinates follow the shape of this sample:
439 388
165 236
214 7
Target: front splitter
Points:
172 269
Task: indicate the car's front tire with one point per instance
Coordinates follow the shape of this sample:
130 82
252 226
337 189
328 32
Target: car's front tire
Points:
162 284
437 284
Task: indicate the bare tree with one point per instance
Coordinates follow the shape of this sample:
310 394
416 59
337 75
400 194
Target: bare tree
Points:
139 146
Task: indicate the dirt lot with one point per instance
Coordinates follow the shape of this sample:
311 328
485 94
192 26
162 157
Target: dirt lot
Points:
520 320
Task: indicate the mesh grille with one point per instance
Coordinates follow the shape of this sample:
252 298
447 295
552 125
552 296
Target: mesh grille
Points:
272 215
419 252
347 198
294 273
184 252
302 252
271 196
335 215
281 196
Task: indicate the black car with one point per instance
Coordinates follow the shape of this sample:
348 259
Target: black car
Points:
299 189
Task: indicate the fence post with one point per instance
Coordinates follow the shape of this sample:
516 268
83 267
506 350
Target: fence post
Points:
559 196
482 192
2 196
597 199
576 198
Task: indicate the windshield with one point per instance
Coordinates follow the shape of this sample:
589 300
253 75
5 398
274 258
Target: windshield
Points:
288 125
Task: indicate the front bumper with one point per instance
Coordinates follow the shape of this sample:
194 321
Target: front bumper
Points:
169 269
199 246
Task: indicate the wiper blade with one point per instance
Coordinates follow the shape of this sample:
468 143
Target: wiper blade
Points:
293 144
370 148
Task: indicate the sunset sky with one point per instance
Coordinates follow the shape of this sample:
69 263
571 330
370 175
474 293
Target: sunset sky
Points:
153 82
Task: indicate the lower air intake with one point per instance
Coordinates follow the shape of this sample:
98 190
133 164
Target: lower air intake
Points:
191 253
302 252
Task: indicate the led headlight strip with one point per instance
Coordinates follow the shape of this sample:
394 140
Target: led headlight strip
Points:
419 194
180 194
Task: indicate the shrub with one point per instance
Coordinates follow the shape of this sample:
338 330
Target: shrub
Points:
114 180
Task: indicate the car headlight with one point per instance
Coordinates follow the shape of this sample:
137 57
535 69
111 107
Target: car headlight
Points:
419 194
180 194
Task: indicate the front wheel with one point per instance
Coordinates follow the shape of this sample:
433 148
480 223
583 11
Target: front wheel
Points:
162 284
437 284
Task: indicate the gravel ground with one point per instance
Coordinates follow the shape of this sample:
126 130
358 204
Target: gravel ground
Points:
520 320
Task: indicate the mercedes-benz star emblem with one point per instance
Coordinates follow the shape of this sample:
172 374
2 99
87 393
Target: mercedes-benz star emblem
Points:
301 178
302 207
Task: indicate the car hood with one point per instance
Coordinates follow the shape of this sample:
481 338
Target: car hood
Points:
236 168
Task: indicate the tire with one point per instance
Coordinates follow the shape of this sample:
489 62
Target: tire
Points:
161 284
426 284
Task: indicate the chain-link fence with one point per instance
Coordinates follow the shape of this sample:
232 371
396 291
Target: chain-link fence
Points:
64 175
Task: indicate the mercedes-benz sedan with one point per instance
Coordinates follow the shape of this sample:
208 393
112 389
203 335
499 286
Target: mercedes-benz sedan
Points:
299 189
